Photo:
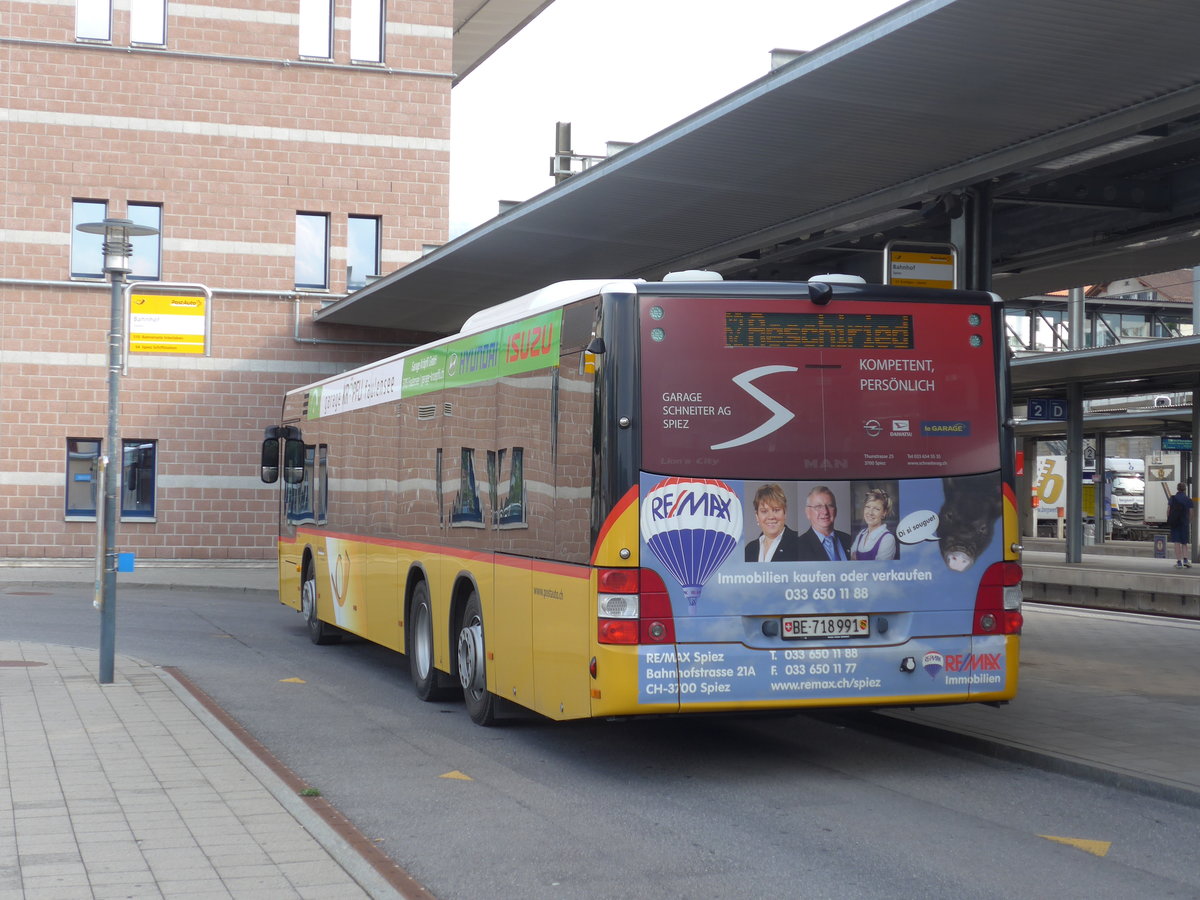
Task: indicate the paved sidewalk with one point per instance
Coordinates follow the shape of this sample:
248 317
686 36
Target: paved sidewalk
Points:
133 790
223 574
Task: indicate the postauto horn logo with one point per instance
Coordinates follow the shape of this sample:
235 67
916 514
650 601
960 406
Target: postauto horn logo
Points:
691 525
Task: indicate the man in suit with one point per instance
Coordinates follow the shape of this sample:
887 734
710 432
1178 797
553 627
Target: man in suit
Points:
822 542
777 542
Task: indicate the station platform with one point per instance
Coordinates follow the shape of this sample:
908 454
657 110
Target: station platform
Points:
1116 575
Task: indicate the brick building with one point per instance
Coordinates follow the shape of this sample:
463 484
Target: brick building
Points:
286 152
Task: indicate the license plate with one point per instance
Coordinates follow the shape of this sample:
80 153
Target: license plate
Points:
798 627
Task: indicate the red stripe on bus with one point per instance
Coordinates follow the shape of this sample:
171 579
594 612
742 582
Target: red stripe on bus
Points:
623 504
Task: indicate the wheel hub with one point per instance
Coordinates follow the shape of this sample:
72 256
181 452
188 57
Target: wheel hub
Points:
470 658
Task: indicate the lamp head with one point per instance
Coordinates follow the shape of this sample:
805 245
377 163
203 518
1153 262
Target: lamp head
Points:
118 245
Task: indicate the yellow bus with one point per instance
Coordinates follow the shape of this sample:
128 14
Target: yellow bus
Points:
623 498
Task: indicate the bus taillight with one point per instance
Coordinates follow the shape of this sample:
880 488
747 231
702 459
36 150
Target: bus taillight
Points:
998 600
633 607
657 622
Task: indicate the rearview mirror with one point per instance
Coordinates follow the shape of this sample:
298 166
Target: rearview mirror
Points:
270 460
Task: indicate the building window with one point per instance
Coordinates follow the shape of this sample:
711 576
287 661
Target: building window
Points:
362 255
366 31
82 478
93 20
138 479
87 250
146 263
148 22
316 28
312 251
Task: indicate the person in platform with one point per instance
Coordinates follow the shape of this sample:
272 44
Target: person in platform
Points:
823 542
776 542
1180 509
876 540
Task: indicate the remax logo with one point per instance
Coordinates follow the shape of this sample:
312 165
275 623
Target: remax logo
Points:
932 663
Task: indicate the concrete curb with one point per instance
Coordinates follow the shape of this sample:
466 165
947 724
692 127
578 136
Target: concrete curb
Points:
335 840
895 724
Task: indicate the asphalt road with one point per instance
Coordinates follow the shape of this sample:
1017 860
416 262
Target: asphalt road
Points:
793 806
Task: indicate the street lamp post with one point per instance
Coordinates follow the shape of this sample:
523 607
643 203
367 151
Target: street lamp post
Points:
118 249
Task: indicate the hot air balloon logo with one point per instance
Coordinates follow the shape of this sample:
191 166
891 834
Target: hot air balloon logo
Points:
932 663
691 525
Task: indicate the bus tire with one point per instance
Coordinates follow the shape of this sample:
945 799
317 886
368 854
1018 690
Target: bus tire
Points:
472 673
318 631
427 681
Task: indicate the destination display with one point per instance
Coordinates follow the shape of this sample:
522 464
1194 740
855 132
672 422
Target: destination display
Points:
790 330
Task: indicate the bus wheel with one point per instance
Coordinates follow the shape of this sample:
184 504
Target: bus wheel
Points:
427 680
471 672
318 631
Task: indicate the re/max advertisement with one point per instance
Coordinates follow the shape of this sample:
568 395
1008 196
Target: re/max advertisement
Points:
821 589
820 491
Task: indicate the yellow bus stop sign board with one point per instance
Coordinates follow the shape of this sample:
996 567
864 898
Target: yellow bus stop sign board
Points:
168 323
918 269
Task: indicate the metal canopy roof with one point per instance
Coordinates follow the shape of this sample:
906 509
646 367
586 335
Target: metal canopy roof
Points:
1167 366
1149 421
1082 115
483 26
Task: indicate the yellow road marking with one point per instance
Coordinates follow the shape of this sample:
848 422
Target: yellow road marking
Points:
1096 848
292 681
457 776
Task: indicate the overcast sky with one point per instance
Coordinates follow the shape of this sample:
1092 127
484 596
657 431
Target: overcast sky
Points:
617 70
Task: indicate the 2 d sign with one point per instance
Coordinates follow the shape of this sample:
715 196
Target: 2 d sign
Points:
1048 409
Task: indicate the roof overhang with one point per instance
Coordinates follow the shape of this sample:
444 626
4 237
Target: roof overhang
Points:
1088 141
483 26
1149 367
1170 421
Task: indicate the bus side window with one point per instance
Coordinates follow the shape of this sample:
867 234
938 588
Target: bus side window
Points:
511 511
298 478
467 508
322 488
573 459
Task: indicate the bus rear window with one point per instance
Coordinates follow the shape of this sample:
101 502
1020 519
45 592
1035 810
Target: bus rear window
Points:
746 388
